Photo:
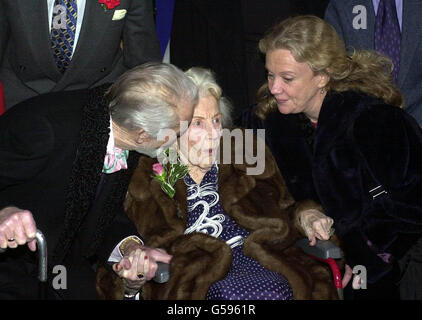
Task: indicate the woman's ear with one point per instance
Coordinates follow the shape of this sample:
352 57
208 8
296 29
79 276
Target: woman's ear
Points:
324 78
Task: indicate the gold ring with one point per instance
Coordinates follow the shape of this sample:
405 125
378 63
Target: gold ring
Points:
140 275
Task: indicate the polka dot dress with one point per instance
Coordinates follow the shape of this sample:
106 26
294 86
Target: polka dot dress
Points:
246 279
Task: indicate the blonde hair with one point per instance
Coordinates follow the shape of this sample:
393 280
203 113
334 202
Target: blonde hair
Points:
207 85
313 41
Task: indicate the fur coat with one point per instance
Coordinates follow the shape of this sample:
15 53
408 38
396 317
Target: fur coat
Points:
360 143
259 203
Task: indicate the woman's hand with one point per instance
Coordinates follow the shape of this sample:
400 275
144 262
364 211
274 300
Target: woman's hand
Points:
139 266
132 269
316 225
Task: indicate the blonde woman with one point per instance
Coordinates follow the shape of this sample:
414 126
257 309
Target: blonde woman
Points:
335 125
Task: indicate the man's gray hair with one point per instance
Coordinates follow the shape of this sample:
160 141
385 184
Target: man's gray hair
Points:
148 95
207 85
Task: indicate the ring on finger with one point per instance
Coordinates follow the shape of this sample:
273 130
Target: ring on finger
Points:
140 275
11 239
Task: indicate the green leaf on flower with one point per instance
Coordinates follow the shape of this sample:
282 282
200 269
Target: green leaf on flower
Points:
169 176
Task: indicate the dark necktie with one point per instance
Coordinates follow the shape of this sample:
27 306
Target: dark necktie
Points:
63 29
387 33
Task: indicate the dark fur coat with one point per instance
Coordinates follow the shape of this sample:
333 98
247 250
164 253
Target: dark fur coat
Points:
355 131
261 204
362 142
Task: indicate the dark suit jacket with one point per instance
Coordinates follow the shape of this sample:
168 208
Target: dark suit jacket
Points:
2 103
340 15
27 66
52 150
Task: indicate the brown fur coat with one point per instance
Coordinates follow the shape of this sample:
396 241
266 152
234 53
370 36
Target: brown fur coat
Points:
261 204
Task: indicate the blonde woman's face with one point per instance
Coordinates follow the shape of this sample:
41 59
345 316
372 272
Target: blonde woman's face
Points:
203 135
293 84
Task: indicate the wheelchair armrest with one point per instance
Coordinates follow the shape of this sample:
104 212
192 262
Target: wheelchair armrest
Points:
323 249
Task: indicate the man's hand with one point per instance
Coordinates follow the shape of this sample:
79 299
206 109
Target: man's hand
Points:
316 225
139 265
17 227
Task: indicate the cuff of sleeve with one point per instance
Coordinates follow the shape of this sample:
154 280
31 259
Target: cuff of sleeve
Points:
116 254
301 206
131 297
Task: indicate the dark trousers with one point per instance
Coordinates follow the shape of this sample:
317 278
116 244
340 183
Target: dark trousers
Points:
18 275
19 278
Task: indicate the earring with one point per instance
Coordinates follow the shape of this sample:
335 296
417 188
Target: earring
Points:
322 90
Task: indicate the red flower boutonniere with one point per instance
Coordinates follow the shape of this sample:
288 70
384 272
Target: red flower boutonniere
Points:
109 4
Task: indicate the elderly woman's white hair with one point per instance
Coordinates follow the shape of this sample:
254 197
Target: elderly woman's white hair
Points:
148 96
206 83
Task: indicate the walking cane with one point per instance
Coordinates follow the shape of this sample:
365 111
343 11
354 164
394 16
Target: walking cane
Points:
42 263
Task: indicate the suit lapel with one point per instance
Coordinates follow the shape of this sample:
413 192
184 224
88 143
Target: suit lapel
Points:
411 34
37 25
95 23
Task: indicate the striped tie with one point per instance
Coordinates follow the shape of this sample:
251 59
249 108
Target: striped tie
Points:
63 29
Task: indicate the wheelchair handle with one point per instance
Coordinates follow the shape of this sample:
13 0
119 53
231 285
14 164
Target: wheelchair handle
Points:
162 274
323 249
42 255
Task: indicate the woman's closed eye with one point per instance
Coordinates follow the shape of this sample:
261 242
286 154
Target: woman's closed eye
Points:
271 77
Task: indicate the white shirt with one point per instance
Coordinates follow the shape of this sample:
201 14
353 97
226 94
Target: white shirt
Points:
81 10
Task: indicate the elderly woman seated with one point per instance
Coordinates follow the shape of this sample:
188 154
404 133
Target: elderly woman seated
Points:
231 234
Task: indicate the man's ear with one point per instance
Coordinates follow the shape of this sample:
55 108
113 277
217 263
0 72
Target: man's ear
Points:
141 136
